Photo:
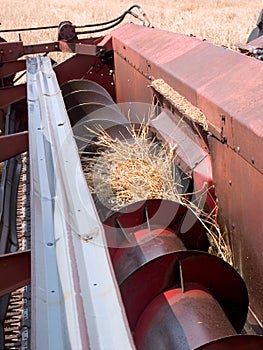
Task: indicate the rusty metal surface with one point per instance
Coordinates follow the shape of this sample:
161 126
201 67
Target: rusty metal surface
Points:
252 45
104 41
181 320
239 189
11 51
120 226
131 85
55 46
11 68
150 245
240 342
164 272
208 271
15 271
146 283
182 62
82 49
12 145
86 67
12 94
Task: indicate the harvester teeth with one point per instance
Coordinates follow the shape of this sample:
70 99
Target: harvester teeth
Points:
17 315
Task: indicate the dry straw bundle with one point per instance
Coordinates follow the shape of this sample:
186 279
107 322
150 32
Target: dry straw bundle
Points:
124 171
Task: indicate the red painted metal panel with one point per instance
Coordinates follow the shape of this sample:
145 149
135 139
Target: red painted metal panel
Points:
104 41
14 271
207 75
131 85
157 242
11 68
80 48
86 67
178 320
226 86
12 94
239 188
191 153
12 145
252 45
10 51
240 342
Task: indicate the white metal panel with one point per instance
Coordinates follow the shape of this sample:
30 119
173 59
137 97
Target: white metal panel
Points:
76 302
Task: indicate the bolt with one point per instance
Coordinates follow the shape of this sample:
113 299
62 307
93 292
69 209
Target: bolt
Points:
257 52
90 236
238 149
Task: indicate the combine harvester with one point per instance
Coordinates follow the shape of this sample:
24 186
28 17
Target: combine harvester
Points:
164 256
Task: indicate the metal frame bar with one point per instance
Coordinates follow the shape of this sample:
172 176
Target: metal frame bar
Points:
9 265
13 144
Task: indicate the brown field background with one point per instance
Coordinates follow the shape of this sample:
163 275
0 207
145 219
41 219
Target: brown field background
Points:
219 21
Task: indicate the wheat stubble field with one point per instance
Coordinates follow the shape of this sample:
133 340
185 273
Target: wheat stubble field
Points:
219 21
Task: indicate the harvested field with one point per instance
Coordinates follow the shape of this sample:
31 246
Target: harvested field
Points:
221 22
